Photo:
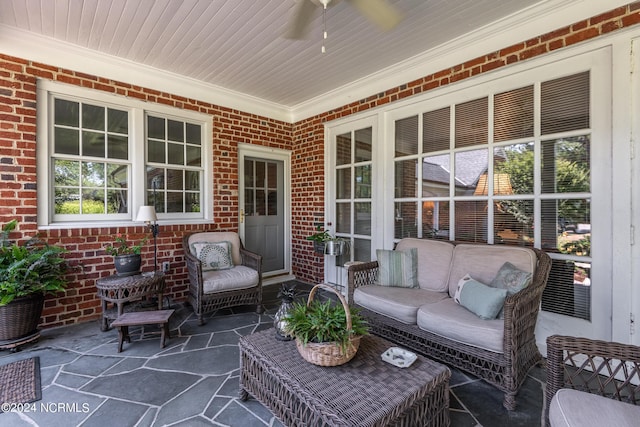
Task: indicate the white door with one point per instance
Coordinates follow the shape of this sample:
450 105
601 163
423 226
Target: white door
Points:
350 192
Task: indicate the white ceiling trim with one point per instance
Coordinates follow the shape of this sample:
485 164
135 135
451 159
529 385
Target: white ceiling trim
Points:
30 46
536 20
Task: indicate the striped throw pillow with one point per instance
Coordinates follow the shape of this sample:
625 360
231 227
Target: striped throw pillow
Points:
398 268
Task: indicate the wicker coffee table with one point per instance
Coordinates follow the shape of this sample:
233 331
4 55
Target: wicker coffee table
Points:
363 392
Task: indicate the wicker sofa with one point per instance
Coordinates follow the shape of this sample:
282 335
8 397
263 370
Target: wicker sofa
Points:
426 318
592 383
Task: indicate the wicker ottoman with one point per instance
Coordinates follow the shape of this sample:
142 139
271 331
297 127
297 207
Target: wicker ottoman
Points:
363 392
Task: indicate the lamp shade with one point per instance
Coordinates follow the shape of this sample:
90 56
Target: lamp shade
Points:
147 214
501 185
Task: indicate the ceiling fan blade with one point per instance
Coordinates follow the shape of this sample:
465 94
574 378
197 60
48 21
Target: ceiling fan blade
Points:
381 12
299 23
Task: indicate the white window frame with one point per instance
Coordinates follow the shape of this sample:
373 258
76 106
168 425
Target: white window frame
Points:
46 92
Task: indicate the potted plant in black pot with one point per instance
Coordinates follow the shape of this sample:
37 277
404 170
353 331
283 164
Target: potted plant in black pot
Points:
27 272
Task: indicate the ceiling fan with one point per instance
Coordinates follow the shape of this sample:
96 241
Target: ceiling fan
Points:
380 12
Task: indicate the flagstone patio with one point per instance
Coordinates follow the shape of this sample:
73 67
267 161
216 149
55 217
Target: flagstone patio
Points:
193 381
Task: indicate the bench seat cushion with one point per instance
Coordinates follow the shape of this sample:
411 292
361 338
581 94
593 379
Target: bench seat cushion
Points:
573 408
483 262
434 259
238 277
450 320
398 303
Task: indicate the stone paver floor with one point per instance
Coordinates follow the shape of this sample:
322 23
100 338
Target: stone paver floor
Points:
193 381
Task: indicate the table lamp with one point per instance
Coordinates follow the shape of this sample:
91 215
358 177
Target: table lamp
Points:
147 214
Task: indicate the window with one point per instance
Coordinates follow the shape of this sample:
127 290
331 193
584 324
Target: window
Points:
174 165
509 168
106 156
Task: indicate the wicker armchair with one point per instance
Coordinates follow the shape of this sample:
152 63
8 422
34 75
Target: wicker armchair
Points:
601 368
213 290
506 371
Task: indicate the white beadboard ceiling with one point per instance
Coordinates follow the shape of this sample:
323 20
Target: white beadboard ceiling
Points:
238 45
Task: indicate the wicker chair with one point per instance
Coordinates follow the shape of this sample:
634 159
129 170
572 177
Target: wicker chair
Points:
213 290
601 368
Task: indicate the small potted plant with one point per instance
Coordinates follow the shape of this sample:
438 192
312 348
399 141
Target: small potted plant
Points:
126 257
326 333
319 238
27 272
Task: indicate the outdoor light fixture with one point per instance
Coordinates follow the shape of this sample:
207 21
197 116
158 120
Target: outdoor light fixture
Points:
147 214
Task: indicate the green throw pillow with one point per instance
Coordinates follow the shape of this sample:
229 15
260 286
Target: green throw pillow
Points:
213 255
512 279
398 268
482 300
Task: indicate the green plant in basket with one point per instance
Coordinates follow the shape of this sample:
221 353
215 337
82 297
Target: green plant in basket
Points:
320 322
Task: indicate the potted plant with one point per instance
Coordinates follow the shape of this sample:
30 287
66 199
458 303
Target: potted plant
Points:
326 244
27 273
318 238
326 333
126 257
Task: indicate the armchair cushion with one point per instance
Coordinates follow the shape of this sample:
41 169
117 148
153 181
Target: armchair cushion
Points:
238 277
571 408
213 255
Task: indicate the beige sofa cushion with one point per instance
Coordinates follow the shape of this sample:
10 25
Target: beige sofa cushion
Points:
434 260
398 303
572 408
483 262
450 320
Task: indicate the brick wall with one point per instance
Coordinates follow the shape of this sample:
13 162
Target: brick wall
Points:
308 134
305 139
18 181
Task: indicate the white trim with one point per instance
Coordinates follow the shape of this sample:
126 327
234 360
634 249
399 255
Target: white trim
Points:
136 109
34 47
541 18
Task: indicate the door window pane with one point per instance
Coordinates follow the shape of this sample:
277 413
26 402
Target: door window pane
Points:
470 166
363 145
361 250
513 114
363 182
436 176
343 217
343 183
405 220
565 165
435 219
565 104
471 221
406 178
363 218
406 138
343 149
472 123
436 132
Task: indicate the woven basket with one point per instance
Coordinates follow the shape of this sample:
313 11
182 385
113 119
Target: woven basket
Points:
329 353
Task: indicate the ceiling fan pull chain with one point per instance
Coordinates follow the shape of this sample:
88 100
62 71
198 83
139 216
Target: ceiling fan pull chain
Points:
324 25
